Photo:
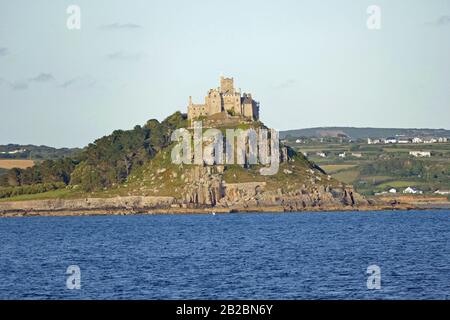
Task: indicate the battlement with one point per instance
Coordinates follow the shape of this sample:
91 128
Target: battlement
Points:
227 100
226 85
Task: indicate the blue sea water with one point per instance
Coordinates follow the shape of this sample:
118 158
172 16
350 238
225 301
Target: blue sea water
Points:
229 256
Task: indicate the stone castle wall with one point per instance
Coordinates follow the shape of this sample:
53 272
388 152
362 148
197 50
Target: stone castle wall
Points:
227 100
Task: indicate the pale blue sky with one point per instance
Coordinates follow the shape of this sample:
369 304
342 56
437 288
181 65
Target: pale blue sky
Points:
309 63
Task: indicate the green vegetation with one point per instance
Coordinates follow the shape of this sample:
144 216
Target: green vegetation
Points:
58 193
30 189
231 112
378 168
111 159
49 171
334 168
346 176
105 163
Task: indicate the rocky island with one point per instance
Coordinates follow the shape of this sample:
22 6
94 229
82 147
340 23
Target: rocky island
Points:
134 171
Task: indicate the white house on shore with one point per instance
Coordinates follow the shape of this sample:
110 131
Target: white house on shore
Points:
420 154
442 192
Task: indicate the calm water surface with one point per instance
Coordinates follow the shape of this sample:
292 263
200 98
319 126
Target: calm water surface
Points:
233 256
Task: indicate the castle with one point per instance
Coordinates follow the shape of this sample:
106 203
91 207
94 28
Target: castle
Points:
225 100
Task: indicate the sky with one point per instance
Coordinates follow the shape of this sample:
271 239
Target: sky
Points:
308 63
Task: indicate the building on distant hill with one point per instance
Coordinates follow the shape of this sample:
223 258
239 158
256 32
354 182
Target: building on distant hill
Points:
373 141
411 190
393 190
430 140
417 140
225 99
390 140
14 151
420 154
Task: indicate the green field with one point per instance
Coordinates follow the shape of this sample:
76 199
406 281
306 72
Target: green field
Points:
347 176
333 168
382 167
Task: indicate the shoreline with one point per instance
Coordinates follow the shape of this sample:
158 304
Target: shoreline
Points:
199 211
134 205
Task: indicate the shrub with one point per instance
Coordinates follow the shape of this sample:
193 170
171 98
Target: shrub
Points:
30 189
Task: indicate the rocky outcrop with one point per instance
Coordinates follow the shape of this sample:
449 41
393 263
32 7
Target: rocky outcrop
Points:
109 204
206 192
302 199
206 187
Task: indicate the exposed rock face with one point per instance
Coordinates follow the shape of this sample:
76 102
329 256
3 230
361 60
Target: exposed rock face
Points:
205 186
118 203
293 200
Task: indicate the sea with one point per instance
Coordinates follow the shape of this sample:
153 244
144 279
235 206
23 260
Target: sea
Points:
329 255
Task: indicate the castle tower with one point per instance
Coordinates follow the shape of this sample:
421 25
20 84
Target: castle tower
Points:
214 101
226 85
